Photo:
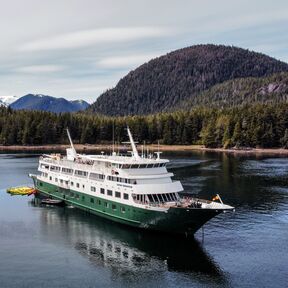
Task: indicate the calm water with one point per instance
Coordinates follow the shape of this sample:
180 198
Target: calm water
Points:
64 247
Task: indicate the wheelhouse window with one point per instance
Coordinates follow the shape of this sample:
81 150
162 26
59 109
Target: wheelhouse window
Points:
117 194
126 196
102 190
109 192
155 198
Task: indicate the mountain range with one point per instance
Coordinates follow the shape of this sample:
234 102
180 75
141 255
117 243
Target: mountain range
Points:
43 103
197 75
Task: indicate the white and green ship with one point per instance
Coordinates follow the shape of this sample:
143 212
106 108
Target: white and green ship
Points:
136 190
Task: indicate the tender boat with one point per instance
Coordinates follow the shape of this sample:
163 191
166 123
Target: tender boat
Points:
21 190
49 201
136 190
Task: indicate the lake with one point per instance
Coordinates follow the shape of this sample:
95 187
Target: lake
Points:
64 247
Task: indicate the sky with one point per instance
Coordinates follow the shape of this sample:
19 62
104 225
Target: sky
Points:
77 49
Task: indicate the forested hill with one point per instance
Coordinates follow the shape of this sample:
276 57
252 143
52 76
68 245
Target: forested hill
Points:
240 92
168 80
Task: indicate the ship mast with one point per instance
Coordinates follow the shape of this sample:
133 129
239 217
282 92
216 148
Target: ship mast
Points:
71 152
134 149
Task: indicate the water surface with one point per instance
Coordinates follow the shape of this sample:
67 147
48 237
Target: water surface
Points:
64 247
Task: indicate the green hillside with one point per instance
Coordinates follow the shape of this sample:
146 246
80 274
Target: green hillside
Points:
165 82
240 92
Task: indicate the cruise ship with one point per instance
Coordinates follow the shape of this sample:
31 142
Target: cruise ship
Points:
136 190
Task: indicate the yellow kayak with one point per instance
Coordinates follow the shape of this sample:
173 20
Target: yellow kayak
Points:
24 190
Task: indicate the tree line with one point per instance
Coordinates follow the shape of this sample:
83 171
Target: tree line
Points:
260 125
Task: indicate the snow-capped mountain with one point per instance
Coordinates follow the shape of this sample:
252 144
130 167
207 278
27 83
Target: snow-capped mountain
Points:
7 100
48 103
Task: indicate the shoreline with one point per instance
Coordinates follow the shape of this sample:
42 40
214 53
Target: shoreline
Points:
153 147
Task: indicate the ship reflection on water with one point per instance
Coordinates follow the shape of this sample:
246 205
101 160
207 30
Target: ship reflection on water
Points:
123 250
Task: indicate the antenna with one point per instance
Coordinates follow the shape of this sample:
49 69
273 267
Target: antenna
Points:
134 149
113 138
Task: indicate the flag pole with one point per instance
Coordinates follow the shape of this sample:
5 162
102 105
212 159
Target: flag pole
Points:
220 198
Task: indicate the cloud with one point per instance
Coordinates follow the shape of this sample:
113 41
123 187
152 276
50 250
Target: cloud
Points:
125 61
86 38
39 69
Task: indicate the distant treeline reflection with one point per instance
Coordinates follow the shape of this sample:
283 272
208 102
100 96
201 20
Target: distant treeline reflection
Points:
262 125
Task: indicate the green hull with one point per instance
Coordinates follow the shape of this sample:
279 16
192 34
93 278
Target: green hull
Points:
175 220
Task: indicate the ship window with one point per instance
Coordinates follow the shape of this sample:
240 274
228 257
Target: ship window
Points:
71 194
61 181
150 166
157 196
165 197
109 192
99 202
93 189
83 198
150 198
123 209
50 178
71 183
125 196
106 205
83 186
77 185
117 194
67 171
56 179
91 200
77 196
169 197
81 173
44 166
113 206
96 176
102 190
41 184
55 168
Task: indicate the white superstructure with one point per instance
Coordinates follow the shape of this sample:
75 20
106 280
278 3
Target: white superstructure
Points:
132 180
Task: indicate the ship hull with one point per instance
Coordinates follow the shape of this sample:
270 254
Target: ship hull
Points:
182 221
